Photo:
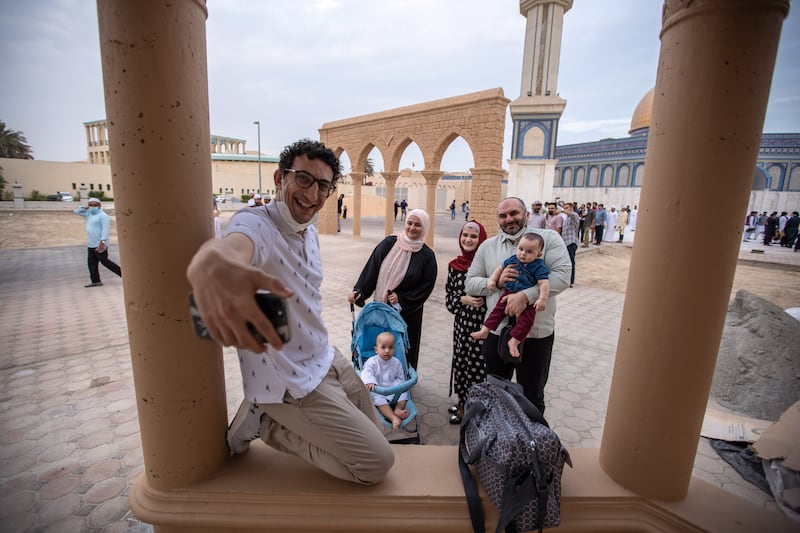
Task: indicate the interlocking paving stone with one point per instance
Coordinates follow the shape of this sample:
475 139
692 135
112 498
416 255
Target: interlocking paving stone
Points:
69 431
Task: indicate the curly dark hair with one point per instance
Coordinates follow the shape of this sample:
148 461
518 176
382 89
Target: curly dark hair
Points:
312 150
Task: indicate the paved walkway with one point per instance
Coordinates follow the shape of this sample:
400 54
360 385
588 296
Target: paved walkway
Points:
69 436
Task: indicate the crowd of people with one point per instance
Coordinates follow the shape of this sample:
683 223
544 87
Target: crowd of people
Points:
591 221
303 396
773 229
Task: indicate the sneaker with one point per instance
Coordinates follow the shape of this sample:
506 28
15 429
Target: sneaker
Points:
245 427
97 284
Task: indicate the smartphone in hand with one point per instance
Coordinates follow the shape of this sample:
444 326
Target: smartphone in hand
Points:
270 304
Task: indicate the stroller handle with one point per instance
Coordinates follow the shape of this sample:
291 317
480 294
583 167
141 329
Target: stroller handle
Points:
402 387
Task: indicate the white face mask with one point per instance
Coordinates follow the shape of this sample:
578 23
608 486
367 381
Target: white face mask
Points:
287 217
513 237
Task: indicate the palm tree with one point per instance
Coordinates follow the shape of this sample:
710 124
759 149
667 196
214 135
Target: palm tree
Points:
13 144
369 170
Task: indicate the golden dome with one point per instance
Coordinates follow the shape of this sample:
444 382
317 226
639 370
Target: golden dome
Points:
643 112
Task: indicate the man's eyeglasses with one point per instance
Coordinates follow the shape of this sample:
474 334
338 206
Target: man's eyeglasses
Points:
306 180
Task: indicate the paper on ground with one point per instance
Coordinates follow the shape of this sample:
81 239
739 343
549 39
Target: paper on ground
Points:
732 427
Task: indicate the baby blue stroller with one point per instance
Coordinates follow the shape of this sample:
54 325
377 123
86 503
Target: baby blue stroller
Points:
374 319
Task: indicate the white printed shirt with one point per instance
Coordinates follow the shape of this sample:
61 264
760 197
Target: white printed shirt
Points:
383 373
294 258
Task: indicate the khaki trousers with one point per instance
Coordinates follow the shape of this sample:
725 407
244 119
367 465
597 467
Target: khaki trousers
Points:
588 235
335 427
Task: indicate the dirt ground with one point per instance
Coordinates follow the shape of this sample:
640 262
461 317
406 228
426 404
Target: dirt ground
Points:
779 286
34 229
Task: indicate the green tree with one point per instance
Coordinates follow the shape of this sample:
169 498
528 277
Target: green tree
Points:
369 170
13 144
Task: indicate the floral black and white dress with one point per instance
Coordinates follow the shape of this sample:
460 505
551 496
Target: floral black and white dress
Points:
469 366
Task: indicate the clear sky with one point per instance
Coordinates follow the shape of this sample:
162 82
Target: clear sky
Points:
296 65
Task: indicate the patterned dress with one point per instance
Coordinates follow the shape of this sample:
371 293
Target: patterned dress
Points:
469 366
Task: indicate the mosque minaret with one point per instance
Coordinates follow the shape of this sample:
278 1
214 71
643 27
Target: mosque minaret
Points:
536 112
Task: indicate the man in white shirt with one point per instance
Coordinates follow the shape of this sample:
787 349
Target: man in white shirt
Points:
537 349
301 397
611 225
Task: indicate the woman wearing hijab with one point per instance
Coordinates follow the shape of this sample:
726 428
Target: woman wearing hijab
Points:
469 366
401 272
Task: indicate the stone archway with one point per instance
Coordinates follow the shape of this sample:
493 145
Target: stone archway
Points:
478 118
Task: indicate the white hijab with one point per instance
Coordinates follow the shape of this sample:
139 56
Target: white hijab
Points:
395 265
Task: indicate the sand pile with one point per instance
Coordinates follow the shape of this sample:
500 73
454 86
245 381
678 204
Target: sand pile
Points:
758 365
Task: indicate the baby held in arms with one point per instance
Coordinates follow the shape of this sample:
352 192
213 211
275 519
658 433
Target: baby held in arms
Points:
531 271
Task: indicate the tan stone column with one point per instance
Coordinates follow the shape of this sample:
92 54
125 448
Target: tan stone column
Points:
431 182
391 181
484 197
156 96
327 222
358 179
326 225
713 80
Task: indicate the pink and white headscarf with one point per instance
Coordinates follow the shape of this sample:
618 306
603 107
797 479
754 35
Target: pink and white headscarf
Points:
395 264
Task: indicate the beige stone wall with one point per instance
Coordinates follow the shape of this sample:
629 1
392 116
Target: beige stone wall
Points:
241 177
49 177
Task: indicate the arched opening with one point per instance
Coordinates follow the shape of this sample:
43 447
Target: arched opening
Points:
456 183
623 177
373 165
458 156
534 142
594 175
638 175
580 180
794 180
760 179
412 158
607 179
344 160
775 182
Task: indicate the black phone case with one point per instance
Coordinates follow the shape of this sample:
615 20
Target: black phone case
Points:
270 304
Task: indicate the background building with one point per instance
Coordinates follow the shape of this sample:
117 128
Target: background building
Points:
612 171
234 170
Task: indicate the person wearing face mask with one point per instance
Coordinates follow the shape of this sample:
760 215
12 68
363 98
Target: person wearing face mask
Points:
533 370
401 271
301 397
98 226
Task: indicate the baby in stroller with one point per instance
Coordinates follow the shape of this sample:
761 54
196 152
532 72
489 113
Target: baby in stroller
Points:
380 341
386 371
